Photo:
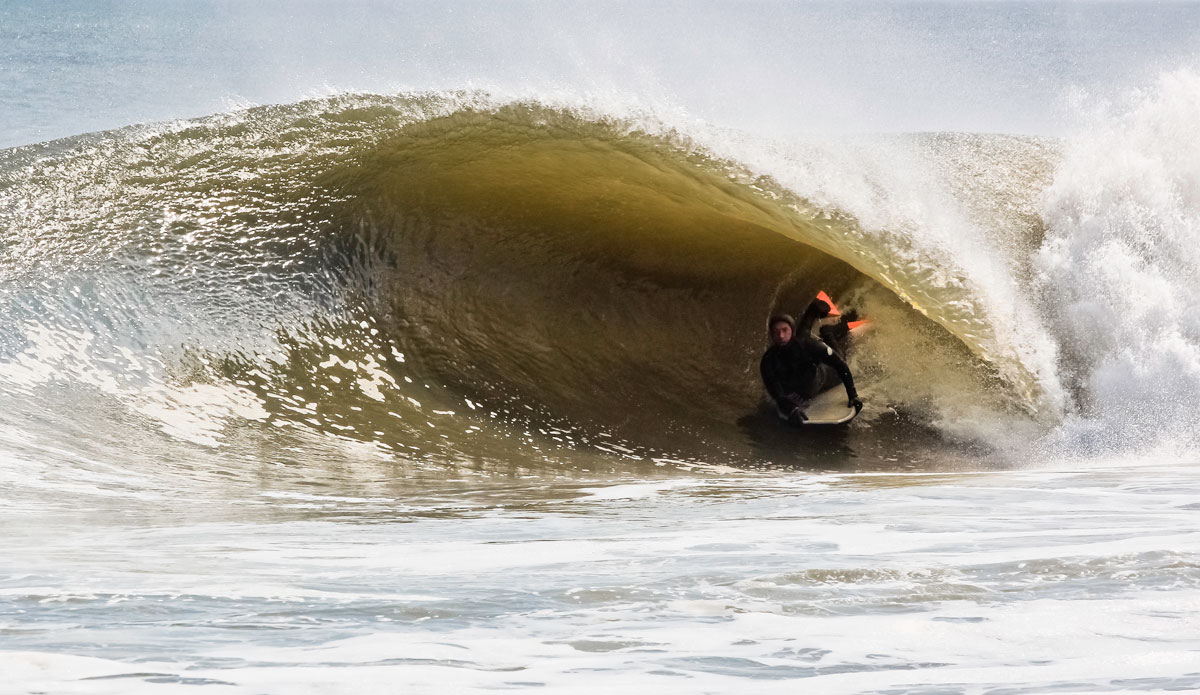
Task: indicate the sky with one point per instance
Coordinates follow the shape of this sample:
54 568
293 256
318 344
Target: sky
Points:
770 68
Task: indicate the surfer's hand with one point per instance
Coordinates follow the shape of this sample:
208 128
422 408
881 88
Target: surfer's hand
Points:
855 403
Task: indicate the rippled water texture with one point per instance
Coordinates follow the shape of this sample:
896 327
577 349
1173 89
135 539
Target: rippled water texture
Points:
1074 580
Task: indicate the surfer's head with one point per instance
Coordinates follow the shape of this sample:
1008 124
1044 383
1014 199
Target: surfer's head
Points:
781 327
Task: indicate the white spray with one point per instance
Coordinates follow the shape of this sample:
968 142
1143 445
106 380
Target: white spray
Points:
1120 272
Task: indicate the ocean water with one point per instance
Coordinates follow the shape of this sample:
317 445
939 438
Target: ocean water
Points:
380 347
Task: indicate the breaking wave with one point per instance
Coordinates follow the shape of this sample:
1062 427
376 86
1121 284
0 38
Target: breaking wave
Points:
457 278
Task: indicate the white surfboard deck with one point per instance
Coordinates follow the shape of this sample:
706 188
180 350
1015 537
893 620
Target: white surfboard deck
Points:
829 408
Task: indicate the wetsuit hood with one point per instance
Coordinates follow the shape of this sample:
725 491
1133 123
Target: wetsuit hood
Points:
786 318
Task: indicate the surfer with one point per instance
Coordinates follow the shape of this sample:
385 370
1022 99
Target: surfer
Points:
798 366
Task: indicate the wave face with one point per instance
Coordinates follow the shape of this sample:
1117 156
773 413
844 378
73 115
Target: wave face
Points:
455 278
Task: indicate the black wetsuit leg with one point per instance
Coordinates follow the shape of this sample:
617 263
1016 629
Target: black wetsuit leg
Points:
825 378
837 337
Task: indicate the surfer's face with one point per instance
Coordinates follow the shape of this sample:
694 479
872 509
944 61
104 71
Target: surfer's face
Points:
781 332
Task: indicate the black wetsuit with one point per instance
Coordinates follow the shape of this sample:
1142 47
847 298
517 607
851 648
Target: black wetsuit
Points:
836 336
802 367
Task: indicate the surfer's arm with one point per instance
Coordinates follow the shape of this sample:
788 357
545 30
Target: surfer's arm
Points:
770 380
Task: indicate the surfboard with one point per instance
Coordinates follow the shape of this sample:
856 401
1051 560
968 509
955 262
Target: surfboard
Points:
828 408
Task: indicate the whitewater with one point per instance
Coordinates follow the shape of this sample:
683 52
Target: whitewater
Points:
390 347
